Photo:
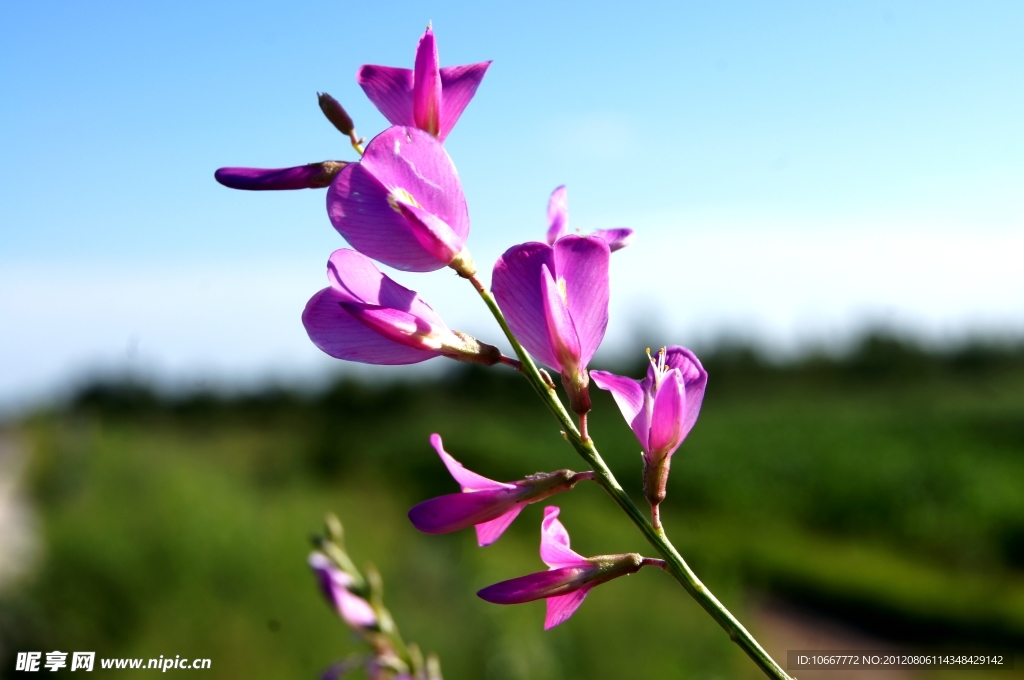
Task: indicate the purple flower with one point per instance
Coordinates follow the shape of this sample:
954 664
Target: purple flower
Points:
570 577
429 98
555 299
661 409
311 176
334 583
488 505
558 223
364 316
402 204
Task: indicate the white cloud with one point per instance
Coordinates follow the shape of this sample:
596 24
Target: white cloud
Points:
237 323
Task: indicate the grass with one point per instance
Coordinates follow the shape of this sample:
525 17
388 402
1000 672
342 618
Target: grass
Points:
886 488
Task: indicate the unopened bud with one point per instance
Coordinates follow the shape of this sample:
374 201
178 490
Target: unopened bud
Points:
310 176
433 667
334 528
416 657
336 114
375 583
546 377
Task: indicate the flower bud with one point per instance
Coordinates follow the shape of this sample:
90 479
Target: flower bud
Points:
336 114
334 583
310 176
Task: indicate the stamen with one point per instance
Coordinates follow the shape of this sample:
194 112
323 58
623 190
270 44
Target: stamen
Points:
658 365
400 195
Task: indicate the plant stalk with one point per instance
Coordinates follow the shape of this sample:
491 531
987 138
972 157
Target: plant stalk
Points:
656 537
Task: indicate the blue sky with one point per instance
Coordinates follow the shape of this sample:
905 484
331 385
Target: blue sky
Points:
794 170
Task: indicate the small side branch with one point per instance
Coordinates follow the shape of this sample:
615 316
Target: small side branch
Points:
514 363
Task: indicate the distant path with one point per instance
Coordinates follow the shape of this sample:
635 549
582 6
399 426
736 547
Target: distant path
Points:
17 537
781 628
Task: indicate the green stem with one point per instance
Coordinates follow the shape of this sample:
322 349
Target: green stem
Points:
357 144
585 447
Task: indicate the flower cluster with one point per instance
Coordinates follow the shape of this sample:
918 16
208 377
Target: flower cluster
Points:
357 600
401 204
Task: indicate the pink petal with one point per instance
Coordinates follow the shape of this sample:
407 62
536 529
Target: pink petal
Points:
516 282
558 215
562 336
539 585
426 97
355 611
667 416
695 381
334 583
554 543
339 334
357 204
617 239
357 279
390 90
629 396
434 235
458 85
363 201
401 327
457 511
413 160
582 261
561 607
489 532
469 481
332 328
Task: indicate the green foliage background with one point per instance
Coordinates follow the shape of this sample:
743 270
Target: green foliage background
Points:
885 489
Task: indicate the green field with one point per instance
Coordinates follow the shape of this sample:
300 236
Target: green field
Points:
885 488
